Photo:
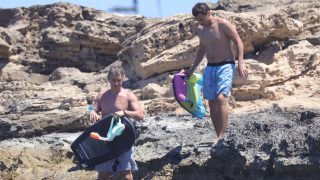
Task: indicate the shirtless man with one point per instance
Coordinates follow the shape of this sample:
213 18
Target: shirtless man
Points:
121 102
216 36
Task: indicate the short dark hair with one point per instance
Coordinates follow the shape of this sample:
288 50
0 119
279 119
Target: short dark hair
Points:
200 8
115 71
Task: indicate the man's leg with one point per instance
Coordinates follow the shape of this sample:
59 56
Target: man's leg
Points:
127 175
219 114
104 176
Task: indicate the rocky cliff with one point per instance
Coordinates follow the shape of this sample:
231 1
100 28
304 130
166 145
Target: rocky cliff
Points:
54 60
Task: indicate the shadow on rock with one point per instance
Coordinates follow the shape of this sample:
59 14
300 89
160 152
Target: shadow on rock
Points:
225 163
149 169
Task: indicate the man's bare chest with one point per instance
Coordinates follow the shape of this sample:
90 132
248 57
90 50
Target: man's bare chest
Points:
211 35
110 104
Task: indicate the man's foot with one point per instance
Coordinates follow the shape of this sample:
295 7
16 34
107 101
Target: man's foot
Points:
218 146
217 141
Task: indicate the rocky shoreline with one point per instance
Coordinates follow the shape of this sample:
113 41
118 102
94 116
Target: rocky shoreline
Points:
54 60
269 144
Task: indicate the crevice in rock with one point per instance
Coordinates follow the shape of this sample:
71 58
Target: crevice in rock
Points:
308 68
225 162
150 168
270 171
6 14
264 53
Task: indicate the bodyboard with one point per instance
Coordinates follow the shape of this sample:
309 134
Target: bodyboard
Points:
187 92
90 152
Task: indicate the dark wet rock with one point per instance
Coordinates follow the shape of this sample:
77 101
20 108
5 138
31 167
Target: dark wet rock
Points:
264 145
54 59
261 145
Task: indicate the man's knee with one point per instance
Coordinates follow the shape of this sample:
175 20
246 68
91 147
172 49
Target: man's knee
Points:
103 175
220 99
127 175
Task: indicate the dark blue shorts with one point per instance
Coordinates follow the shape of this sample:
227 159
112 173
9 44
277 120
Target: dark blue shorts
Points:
121 163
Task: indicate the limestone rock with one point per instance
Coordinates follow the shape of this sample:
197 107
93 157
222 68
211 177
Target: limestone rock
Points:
17 72
295 61
68 35
164 46
54 60
5 43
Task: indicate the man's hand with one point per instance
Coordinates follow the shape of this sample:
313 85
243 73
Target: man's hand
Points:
242 70
119 113
188 72
94 116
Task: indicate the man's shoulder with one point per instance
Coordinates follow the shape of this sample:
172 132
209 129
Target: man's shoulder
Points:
224 24
104 91
129 93
126 91
221 20
199 28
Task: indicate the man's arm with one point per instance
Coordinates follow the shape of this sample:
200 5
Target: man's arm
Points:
134 110
200 54
94 116
232 33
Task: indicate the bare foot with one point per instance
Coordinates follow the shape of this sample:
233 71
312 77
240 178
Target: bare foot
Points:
218 146
215 141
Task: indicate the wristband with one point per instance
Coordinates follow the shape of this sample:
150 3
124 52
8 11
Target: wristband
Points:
90 108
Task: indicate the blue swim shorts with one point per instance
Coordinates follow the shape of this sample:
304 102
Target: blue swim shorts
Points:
217 79
121 163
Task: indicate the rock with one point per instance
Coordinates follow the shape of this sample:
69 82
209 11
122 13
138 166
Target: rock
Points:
18 72
5 43
67 34
4 49
262 82
163 47
54 60
62 73
260 144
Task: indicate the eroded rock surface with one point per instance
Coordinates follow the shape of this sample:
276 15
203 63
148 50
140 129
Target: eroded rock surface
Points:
270 144
54 59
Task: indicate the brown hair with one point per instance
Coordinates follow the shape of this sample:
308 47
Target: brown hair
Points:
115 71
200 9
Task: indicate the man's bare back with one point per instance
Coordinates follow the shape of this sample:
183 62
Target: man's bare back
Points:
216 42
